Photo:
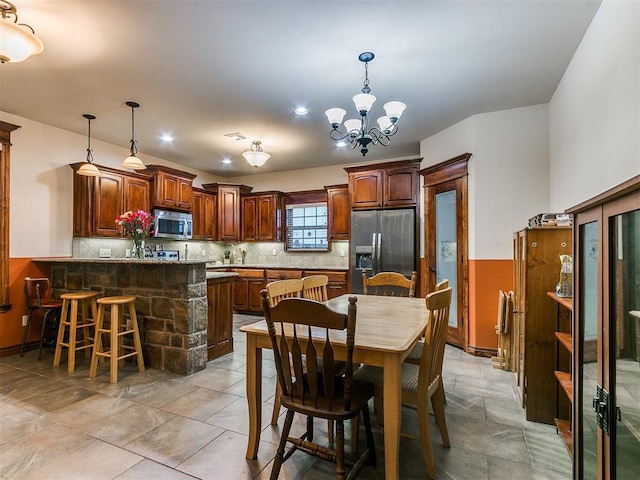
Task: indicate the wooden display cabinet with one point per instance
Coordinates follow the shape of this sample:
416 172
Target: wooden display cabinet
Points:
384 185
537 265
339 211
204 215
606 293
262 217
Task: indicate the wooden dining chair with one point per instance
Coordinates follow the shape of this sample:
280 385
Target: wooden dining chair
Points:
277 291
315 287
416 352
299 330
421 383
389 284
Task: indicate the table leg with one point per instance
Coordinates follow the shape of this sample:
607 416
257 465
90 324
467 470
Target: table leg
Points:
254 395
392 395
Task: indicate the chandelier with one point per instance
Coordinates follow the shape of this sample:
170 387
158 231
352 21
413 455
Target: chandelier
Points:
255 155
357 130
17 40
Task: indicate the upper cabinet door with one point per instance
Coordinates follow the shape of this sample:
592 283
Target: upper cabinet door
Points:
366 189
137 194
338 208
400 187
261 217
229 213
108 204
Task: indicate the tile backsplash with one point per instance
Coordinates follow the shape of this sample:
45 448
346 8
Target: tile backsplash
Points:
255 253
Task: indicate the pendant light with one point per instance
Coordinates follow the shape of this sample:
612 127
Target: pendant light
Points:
132 161
255 155
88 169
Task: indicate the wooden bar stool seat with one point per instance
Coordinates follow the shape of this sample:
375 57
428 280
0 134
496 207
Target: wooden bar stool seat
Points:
116 330
69 318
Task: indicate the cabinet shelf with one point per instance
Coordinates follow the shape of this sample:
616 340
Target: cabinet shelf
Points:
565 382
565 340
564 429
566 302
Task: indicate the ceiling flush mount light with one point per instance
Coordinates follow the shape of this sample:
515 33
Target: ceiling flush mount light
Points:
357 130
17 40
255 155
132 161
88 169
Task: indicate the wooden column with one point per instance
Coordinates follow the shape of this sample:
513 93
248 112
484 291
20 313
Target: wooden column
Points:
5 148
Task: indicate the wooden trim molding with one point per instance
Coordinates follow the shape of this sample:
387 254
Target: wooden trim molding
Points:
5 150
451 169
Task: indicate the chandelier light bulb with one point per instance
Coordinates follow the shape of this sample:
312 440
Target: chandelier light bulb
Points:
363 102
335 116
394 110
385 124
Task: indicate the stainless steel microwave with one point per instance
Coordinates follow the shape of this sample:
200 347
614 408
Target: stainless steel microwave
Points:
176 225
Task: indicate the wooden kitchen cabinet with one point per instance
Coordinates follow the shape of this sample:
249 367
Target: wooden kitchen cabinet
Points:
537 269
246 290
262 217
228 209
273 275
220 316
384 185
204 215
339 211
97 201
172 188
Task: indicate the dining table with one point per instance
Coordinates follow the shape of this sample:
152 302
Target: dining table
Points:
387 328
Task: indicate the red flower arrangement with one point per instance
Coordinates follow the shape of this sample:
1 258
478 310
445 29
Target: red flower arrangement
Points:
136 224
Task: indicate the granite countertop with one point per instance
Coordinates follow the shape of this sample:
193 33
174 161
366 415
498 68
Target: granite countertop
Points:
146 261
212 275
277 267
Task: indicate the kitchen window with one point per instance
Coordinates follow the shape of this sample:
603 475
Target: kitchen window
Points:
306 227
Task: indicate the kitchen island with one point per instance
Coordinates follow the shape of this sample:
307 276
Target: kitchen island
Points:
181 327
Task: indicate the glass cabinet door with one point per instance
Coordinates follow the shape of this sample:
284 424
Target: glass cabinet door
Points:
587 311
624 344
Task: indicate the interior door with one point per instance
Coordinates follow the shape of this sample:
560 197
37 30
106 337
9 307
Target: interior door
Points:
446 241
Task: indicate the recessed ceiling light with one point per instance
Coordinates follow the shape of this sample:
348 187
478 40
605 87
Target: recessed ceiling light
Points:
226 161
165 137
301 111
341 144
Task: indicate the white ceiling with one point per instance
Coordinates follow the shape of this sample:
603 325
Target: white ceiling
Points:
203 69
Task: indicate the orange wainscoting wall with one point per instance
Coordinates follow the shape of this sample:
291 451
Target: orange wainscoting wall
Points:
11 322
486 278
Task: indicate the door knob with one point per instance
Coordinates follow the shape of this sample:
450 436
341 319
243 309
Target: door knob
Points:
432 269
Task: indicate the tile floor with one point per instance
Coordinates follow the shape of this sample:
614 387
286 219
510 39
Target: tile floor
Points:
157 425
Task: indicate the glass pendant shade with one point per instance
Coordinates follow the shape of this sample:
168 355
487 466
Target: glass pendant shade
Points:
394 109
133 163
255 156
88 170
352 125
385 123
335 116
17 42
256 159
363 102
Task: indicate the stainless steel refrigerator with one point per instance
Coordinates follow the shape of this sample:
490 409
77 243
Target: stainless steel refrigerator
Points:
382 241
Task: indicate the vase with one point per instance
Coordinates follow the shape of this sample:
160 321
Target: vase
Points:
137 251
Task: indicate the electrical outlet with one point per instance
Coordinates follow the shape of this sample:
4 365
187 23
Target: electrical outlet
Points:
274 252
25 319
342 253
105 253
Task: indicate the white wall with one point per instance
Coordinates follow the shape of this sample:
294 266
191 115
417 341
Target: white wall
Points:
594 114
508 173
41 184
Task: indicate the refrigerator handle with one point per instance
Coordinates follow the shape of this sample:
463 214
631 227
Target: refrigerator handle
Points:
378 252
373 254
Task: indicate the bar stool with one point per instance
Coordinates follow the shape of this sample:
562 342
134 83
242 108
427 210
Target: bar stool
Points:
70 301
116 330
